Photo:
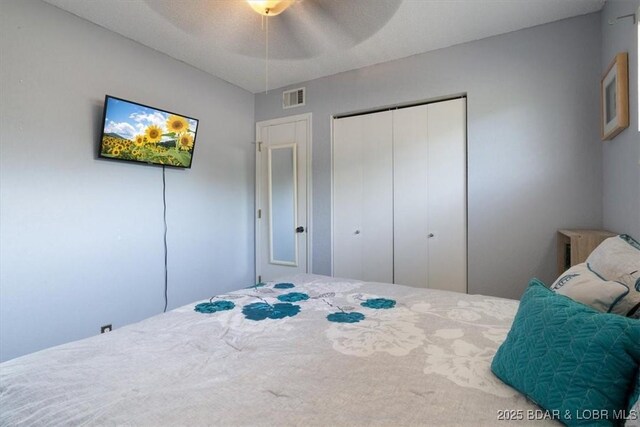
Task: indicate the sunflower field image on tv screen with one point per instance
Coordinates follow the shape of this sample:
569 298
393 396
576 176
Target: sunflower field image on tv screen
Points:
143 134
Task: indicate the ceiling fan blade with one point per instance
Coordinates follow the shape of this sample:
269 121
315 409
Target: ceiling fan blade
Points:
356 20
287 30
194 19
285 41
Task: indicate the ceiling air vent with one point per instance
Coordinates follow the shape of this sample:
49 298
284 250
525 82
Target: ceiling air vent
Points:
293 98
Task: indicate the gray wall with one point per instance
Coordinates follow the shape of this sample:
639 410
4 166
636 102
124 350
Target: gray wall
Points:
534 163
81 239
620 156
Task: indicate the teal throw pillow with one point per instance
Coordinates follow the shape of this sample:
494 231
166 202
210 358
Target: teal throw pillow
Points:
570 359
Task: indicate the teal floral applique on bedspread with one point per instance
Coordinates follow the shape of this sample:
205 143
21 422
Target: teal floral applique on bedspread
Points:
343 317
379 303
263 310
212 307
293 297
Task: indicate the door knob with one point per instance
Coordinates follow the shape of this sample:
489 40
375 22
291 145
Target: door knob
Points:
430 235
300 229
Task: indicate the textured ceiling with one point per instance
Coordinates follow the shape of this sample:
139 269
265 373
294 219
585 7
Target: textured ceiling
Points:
313 38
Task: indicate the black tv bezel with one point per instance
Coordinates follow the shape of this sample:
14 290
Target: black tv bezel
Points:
104 117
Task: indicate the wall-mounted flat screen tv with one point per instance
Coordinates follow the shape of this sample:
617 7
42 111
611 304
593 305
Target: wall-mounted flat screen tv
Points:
138 133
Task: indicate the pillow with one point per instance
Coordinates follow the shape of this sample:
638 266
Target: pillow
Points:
568 358
583 285
618 258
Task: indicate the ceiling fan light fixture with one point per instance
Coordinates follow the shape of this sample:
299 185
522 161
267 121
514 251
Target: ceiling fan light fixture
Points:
270 7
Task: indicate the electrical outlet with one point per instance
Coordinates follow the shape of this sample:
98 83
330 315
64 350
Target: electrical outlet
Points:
106 328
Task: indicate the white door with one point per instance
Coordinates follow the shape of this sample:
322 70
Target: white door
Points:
410 209
430 221
282 224
363 197
447 195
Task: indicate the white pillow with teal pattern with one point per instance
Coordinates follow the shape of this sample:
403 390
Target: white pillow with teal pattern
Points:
583 285
618 258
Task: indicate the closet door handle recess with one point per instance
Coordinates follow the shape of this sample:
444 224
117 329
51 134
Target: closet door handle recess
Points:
431 235
356 232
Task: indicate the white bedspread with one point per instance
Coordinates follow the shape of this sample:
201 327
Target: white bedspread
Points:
423 362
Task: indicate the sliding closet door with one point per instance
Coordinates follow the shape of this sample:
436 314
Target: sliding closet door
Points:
363 197
410 246
447 195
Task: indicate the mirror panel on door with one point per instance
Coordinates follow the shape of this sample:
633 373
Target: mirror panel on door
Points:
283 204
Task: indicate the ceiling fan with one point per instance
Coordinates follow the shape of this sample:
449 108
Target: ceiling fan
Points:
270 7
298 29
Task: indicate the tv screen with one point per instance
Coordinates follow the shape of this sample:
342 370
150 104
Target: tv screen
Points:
138 133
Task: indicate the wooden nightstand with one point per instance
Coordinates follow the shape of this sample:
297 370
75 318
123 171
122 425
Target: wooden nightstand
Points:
574 246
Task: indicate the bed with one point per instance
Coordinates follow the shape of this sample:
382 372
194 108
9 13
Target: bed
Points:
310 350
